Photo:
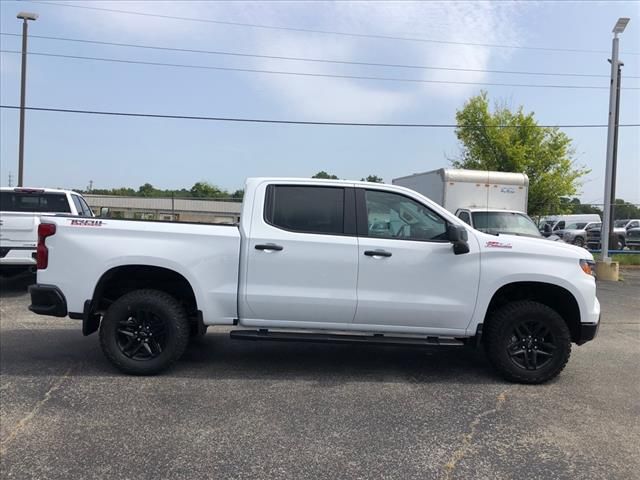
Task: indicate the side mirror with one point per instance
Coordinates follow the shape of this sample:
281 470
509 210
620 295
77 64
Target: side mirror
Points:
547 228
458 236
104 212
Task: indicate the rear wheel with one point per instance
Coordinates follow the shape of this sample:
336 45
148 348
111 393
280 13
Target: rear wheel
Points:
144 332
527 342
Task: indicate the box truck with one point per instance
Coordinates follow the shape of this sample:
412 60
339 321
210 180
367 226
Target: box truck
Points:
492 202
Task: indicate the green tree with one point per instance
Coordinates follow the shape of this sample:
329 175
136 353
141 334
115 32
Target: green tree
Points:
205 189
508 141
238 194
146 190
624 210
325 175
574 206
372 178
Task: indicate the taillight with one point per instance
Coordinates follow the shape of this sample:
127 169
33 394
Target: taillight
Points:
42 253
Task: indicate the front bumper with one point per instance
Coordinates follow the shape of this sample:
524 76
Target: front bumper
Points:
47 300
588 332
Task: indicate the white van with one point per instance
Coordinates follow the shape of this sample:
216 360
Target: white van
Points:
552 223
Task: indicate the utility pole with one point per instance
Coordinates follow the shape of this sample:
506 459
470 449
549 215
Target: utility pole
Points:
614 94
25 16
614 176
90 187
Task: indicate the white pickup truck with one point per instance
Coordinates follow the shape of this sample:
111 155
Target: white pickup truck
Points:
20 211
319 260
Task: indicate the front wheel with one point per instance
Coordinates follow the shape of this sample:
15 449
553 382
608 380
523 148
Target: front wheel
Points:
527 342
579 242
144 332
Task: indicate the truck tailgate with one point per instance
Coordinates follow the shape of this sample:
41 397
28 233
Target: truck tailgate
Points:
18 229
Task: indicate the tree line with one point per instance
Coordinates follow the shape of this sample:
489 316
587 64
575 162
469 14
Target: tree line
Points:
198 190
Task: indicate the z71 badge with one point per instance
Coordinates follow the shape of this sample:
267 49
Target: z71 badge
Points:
87 223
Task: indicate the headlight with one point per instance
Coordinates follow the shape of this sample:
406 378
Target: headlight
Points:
588 267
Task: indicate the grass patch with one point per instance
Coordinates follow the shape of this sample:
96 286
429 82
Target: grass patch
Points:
623 259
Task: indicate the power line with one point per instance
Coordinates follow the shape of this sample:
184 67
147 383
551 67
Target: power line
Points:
297 122
309 74
307 59
324 32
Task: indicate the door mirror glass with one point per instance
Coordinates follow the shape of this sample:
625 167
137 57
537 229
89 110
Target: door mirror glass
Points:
104 212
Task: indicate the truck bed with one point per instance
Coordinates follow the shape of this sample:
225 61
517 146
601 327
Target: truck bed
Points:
89 248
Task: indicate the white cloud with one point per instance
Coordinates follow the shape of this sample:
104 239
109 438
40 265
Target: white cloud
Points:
330 98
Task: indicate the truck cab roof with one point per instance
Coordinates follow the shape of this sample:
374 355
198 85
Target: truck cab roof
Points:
34 190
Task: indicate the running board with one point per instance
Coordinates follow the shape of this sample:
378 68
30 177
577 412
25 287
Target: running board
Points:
375 339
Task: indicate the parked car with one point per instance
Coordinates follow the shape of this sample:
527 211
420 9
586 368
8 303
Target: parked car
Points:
576 233
633 238
552 224
20 211
319 260
620 228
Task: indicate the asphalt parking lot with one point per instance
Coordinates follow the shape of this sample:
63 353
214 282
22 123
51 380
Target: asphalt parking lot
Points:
234 409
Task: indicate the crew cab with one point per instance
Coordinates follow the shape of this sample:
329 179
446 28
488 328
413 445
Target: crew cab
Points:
20 211
319 260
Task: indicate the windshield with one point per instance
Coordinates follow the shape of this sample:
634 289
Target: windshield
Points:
576 226
505 222
620 223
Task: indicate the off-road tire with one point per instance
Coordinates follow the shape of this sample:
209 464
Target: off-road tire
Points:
161 306
499 335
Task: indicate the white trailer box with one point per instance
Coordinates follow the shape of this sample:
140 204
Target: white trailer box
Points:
457 188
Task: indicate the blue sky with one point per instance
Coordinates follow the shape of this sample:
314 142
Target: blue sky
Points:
65 150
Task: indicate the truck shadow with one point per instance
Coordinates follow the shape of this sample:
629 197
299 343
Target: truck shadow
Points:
45 352
17 285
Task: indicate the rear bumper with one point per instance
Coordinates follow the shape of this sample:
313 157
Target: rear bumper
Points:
17 256
47 300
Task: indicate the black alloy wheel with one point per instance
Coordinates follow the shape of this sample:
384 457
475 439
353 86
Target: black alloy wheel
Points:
532 345
527 342
142 336
144 332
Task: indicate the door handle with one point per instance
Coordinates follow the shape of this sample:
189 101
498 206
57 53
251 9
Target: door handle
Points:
377 253
269 246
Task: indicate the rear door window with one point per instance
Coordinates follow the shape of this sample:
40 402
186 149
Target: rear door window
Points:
34 202
306 209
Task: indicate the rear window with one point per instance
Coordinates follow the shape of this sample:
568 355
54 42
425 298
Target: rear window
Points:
34 202
306 209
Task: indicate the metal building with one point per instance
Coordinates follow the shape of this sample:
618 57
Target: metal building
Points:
168 208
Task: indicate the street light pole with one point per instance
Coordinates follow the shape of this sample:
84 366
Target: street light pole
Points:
25 16
607 221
